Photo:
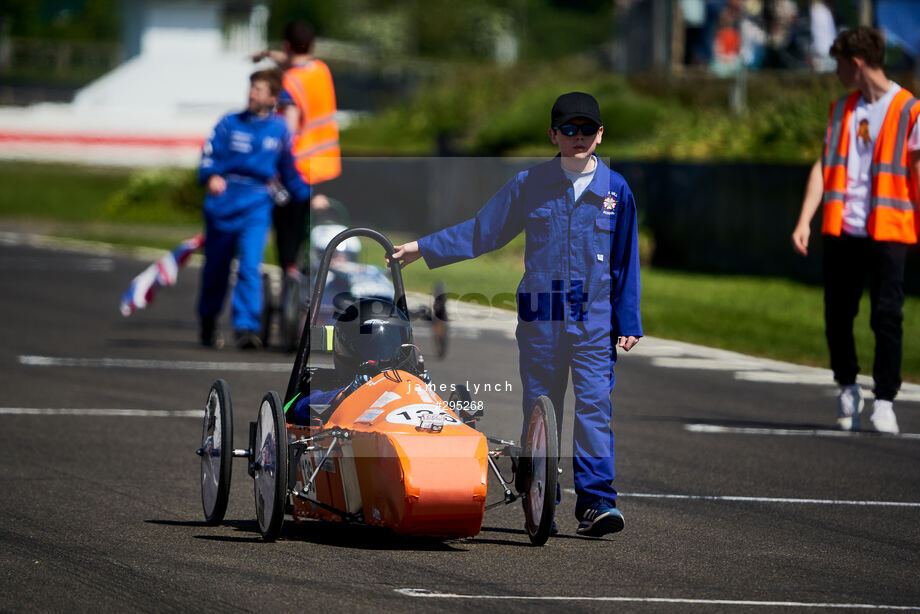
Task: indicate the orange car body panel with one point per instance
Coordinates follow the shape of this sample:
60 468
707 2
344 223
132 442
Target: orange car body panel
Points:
394 469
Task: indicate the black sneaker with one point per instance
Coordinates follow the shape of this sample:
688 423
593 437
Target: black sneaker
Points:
208 337
599 521
248 340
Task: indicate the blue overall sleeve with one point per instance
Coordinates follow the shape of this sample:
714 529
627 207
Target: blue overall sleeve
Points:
214 151
290 177
499 221
624 270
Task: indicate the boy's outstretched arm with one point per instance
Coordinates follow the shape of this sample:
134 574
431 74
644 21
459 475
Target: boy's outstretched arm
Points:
499 221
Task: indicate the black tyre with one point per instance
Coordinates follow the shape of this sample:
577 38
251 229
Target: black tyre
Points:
270 467
268 310
439 324
461 403
292 311
216 453
541 455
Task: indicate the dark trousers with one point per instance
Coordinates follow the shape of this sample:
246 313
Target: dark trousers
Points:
850 262
290 231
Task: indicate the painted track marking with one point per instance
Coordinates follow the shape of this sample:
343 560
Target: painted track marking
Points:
137 363
803 432
427 594
745 499
77 411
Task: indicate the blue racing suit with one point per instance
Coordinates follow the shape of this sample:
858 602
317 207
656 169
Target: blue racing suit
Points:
580 291
246 150
303 405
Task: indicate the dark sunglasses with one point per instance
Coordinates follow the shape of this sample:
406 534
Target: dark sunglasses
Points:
572 129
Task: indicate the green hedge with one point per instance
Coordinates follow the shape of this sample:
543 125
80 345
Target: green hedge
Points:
165 195
491 110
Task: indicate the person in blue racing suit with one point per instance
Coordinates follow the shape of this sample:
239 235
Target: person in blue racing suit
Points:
579 296
245 151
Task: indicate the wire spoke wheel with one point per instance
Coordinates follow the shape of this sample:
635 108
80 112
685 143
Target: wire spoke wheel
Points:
541 446
270 467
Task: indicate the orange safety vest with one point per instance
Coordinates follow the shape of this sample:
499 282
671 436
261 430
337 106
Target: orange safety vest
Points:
893 199
316 144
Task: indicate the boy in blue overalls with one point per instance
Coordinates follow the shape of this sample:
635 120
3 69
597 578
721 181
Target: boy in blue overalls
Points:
243 153
579 297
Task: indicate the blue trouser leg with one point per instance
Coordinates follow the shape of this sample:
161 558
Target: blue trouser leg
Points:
219 248
247 294
593 458
544 371
545 360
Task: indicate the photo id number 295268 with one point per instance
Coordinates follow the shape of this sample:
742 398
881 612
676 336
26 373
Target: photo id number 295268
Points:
469 405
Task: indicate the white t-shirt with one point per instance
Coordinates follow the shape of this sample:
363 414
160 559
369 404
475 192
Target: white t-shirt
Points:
580 181
859 158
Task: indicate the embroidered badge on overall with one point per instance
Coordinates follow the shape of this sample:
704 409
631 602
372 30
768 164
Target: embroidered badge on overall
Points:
610 203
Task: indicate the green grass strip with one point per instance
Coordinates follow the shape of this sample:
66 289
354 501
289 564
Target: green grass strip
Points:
769 317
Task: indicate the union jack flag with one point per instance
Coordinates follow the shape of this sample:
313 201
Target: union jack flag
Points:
163 272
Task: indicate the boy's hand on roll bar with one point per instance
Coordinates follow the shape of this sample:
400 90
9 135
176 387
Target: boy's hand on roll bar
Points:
406 253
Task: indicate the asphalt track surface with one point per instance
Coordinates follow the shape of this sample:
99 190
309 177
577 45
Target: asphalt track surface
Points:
736 496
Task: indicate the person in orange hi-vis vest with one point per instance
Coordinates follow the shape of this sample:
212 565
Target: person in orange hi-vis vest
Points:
308 103
867 181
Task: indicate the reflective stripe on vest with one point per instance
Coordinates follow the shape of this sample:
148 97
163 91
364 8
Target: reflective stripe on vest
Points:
893 198
316 144
835 163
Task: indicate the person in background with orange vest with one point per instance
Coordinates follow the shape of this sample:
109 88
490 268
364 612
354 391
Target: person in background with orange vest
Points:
867 180
307 101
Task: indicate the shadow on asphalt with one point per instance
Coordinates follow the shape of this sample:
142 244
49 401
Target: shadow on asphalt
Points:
356 536
502 542
336 534
362 537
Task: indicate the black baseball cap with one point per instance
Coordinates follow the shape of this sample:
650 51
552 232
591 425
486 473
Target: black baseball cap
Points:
573 105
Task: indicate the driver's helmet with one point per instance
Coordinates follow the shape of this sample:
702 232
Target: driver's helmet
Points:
320 237
370 329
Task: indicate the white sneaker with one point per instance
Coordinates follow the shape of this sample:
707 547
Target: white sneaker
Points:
849 405
883 418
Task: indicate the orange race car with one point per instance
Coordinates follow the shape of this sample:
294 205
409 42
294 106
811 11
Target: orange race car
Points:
388 451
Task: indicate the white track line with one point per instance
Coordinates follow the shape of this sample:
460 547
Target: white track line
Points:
74 411
424 593
747 430
134 363
742 499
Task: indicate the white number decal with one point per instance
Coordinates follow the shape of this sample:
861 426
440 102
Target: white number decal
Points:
414 414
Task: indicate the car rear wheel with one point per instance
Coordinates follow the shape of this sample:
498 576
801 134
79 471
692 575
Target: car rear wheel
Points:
541 449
